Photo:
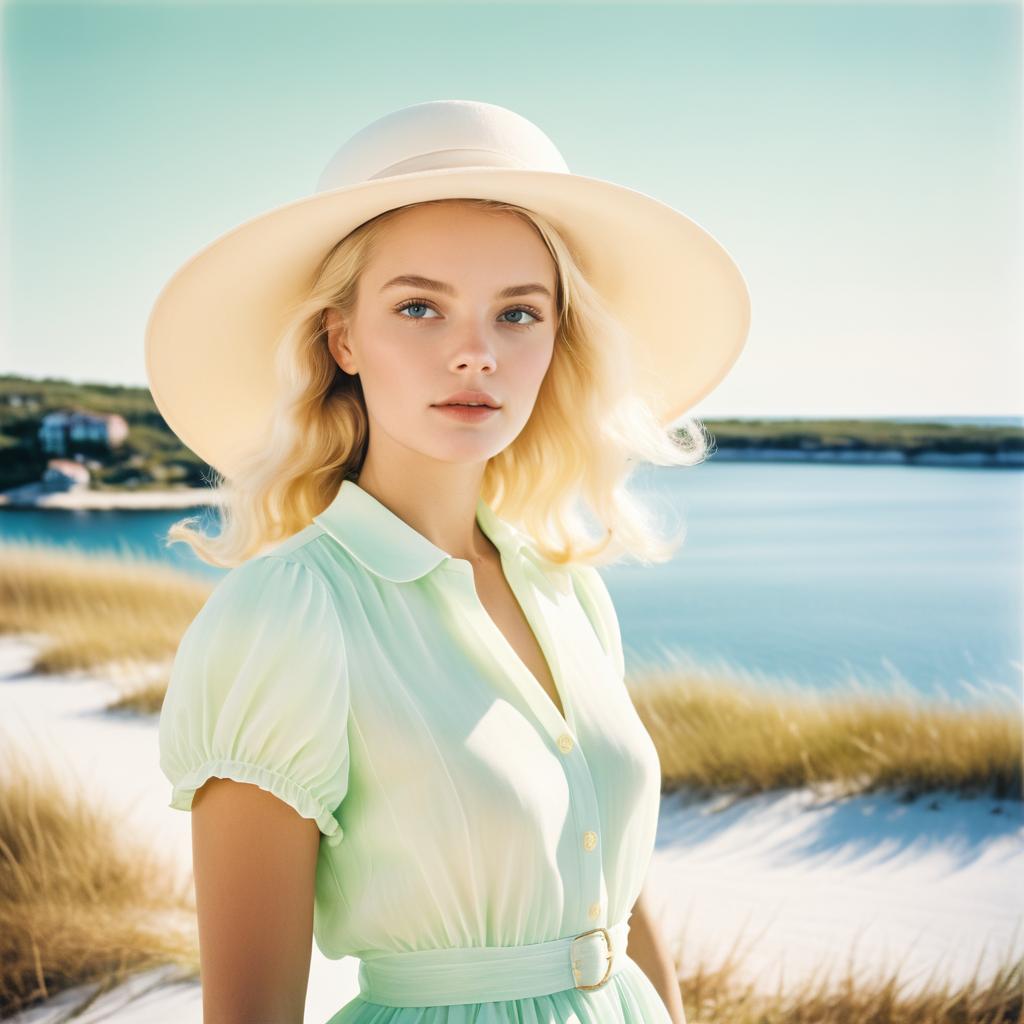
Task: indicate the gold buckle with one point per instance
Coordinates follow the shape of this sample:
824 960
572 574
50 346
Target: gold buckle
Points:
608 956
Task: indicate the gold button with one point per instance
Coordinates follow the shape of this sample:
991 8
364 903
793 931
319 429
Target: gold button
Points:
589 840
595 911
565 743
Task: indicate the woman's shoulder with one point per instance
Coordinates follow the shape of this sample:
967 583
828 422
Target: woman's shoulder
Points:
273 573
278 592
308 559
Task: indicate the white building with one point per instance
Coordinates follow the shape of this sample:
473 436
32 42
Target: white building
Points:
60 431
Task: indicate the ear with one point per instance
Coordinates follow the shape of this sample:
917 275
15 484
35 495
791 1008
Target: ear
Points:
337 340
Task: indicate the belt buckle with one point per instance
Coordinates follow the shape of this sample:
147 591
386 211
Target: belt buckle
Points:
608 956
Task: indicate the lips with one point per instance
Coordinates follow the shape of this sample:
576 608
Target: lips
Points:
471 398
466 413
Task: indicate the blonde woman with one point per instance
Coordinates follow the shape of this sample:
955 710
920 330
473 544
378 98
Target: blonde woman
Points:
400 720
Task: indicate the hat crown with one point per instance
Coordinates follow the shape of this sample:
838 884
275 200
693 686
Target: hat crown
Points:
439 134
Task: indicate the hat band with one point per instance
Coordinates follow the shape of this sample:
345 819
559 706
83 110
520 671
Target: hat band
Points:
438 159
441 158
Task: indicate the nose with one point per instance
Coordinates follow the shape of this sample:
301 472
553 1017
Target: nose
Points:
474 353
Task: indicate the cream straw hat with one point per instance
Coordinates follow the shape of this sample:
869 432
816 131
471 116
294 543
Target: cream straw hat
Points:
211 333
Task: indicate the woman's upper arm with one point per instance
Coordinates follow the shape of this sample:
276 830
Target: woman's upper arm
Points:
254 860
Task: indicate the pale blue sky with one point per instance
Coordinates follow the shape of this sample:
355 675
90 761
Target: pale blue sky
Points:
861 162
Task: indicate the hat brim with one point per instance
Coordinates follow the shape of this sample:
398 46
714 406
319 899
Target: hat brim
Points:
212 330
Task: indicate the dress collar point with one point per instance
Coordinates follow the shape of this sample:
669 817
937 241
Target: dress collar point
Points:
376 537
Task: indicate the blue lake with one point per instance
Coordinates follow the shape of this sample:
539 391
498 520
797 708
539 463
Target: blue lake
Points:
803 571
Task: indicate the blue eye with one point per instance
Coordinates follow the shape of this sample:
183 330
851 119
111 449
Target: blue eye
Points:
521 309
413 305
423 304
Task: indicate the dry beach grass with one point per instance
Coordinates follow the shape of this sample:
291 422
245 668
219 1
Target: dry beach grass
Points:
82 901
720 734
95 610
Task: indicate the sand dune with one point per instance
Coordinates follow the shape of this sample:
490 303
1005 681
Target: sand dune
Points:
801 883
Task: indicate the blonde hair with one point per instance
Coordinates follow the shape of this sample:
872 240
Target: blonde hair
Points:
587 430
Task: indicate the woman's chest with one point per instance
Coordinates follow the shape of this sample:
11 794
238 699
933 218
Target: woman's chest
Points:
448 709
504 608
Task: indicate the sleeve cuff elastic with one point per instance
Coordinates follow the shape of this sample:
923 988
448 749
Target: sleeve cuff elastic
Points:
281 786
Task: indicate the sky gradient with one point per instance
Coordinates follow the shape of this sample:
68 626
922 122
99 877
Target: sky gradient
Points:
861 163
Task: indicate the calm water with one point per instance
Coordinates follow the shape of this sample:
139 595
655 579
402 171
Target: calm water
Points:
810 572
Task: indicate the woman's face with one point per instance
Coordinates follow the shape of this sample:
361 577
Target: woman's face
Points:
414 344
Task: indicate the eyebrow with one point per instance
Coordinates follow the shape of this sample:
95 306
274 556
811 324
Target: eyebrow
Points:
416 281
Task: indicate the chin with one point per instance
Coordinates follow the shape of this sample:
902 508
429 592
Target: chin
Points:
467 449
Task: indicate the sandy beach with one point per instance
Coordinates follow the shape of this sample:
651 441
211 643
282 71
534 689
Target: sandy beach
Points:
799 884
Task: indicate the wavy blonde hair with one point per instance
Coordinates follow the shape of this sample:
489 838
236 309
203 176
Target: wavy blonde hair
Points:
587 431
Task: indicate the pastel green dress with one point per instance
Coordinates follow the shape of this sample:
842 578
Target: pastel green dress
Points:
353 671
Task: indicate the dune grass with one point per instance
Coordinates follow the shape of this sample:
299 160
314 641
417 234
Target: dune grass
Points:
94 611
82 900
736 734
722 993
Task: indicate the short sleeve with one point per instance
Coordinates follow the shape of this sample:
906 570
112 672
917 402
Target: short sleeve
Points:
592 593
259 692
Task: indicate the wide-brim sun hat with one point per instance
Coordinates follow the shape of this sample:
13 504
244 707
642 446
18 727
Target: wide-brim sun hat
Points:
213 329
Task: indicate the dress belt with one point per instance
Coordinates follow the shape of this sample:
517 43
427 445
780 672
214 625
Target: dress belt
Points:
477 974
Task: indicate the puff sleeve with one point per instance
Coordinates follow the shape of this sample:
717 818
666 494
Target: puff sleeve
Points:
259 693
592 593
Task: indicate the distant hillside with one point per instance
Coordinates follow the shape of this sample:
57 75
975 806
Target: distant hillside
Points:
153 458
925 442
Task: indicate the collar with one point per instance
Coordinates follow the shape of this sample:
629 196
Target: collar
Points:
389 547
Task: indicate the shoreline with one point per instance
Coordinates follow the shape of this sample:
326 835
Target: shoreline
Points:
85 499
1002 459
33 496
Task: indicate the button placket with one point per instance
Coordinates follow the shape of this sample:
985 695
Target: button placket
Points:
592 895
582 794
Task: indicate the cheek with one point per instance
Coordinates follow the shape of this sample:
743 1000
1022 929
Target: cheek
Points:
396 365
395 385
534 364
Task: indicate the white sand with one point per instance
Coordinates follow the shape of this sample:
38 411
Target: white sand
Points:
800 884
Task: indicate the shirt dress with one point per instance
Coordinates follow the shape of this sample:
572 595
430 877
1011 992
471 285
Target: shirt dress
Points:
352 671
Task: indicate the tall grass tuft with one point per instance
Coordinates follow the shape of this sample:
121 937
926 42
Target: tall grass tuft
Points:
83 900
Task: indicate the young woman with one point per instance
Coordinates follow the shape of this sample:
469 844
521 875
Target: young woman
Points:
401 719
